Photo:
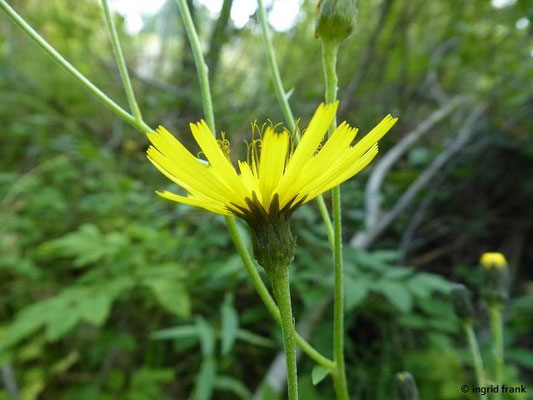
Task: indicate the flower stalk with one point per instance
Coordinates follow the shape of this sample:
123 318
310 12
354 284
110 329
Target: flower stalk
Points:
330 50
464 309
474 350
494 293
267 299
121 63
281 289
201 66
496 326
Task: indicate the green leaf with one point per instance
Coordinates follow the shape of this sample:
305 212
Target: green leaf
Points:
60 325
230 324
205 380
422 285
522 357
355 291
26 322
396 294
87 245
171 295
233 385
178 332
96 309
397 273
319 373
207 337
256 340
268 393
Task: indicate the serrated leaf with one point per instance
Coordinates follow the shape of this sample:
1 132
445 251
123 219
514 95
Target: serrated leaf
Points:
397 273
318 374
171 295
423 285
96 309
59 326
396 294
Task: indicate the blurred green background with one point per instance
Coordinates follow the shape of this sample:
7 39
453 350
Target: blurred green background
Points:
109 292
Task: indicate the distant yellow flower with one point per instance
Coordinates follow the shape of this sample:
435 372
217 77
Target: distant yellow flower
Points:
278 177
493 260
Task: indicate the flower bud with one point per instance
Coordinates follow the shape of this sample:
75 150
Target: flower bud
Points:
462 302
335 19
495 278
493 260
406 386
272 239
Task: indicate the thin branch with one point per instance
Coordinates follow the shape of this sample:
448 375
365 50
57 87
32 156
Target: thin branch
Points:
201 66
418 217
121 63
432 79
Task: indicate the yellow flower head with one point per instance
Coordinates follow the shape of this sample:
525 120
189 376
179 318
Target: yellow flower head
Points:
277 178
493 260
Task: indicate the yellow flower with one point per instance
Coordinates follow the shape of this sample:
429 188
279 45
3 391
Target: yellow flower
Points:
277 178
493 260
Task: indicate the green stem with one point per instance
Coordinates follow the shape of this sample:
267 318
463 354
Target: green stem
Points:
265 296
329 61
476 355
232 227
285 106
201 66
121 63
282 294
496 325
43 44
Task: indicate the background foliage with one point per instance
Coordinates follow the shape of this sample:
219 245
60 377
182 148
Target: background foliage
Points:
107 291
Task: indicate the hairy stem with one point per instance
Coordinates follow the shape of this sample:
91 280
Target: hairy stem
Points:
121 63
265 296
44 45
282 294
496 326
329 61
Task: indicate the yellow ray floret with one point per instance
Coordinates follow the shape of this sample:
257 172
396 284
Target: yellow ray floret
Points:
278 180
